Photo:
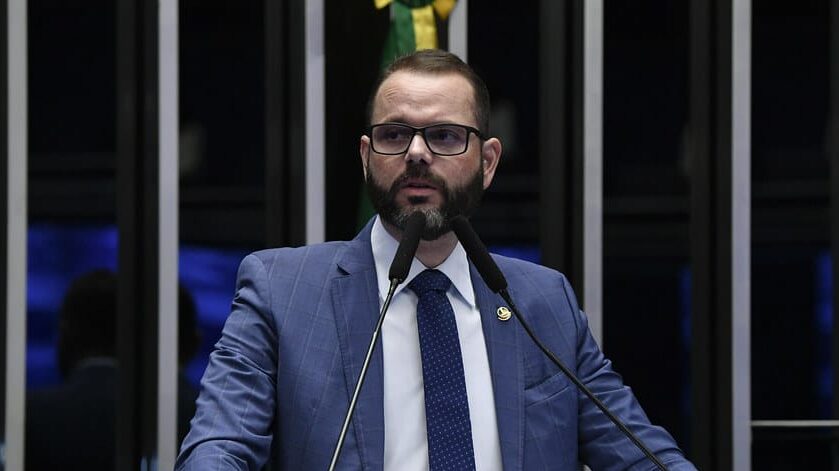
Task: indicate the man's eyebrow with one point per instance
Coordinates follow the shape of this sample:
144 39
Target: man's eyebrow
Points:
399 118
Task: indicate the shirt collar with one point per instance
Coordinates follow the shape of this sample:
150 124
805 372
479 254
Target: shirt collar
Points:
456 266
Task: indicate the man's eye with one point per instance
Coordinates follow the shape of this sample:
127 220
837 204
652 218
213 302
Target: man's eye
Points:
444 135
393 134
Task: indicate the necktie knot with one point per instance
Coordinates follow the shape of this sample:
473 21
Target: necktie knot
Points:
429 280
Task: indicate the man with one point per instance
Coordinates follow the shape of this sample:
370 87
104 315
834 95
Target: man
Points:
73 424
452 386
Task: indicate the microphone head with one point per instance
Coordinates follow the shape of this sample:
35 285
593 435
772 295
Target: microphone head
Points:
479 254
407 247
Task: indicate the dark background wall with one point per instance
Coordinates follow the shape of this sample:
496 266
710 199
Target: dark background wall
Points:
647 179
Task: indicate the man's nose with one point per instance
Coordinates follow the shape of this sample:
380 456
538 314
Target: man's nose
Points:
418 149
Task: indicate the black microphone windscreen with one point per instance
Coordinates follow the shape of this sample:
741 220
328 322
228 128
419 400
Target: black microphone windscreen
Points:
479 254
407 247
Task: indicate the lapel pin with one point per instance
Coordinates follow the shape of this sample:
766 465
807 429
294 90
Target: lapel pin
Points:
503 313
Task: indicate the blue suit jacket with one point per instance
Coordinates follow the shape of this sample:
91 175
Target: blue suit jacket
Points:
280 379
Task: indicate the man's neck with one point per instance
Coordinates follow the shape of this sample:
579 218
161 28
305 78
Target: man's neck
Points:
430 252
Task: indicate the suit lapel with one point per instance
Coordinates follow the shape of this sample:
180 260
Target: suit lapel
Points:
505 365
356 305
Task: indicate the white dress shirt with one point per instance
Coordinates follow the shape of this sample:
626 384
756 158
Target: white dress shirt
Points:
406 442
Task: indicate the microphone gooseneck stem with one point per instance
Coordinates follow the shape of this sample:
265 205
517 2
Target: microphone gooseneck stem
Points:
393 284
399 269
582 387
486 266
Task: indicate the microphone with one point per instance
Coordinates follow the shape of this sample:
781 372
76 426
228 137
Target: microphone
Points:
478 253
496 282
407 248
398 272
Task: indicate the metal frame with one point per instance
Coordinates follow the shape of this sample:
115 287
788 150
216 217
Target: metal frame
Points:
561 138
833 156
593 166
285 128
459 30
720 111
571 148
138 184
4 208
276 138
710 431
315 123
168 204
553 208
741 239
16 152
795 423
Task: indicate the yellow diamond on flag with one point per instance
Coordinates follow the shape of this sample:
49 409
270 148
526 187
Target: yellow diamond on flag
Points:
442 7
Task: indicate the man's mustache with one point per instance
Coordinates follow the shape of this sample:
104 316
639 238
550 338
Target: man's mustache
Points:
419 171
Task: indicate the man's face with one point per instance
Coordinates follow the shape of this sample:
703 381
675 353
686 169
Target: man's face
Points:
439 186
460 200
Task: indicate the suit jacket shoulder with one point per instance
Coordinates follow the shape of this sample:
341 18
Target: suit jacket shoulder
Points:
547 301
279 371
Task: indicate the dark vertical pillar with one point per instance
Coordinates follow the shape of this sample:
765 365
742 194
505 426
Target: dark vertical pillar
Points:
137 219
285 117
833 156
561 137
276 206
710 194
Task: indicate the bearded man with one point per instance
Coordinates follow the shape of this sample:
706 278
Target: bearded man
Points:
452 386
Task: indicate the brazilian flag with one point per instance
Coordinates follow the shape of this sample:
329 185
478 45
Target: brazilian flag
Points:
412 27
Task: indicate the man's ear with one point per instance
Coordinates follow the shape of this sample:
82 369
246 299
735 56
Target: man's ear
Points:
364 153
490 156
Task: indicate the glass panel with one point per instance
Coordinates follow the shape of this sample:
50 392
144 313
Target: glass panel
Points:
792 300
71 298
792 371
353 61
221 95
222 171
782 449
503 41
646 242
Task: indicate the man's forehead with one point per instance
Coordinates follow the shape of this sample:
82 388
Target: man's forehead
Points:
403 86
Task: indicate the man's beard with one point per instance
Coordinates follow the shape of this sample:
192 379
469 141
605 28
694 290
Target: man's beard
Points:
460 201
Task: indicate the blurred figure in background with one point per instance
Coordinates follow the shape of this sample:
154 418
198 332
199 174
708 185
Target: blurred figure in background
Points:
72 425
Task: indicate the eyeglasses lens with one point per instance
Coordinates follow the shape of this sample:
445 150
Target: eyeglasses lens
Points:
444 139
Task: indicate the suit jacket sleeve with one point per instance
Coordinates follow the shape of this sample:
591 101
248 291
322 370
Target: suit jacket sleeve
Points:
602 445
232 428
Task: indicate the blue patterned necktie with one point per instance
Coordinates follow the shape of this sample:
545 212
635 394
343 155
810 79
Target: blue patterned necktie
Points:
446 407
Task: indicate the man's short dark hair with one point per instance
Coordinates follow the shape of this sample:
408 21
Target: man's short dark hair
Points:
437 62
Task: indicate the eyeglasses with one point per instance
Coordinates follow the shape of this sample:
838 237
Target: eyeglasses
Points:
441 139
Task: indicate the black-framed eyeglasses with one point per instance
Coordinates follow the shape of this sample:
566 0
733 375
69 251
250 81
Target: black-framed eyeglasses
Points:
441 139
